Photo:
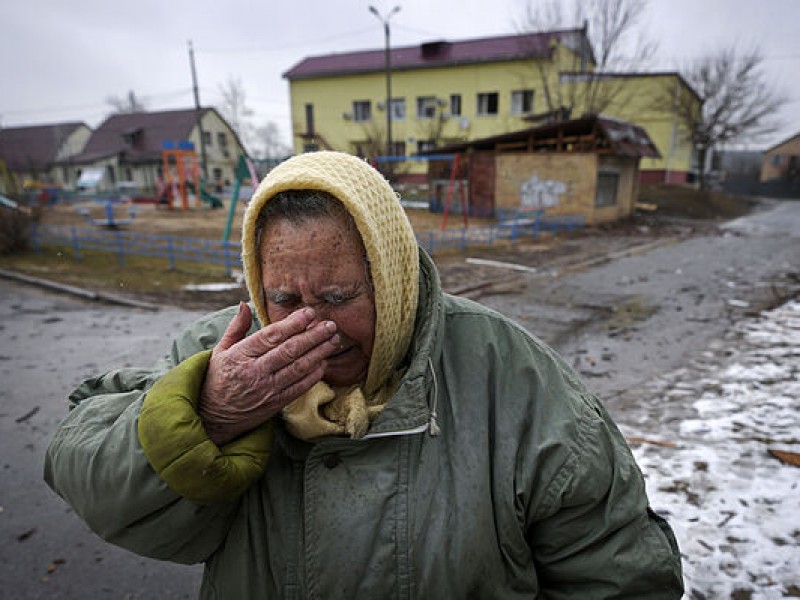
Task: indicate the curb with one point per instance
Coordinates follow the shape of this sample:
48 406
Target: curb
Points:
79 292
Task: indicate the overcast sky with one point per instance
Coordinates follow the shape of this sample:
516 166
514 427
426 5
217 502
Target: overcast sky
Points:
62 60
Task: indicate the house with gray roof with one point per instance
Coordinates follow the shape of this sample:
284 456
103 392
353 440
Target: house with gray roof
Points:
31 153
130 147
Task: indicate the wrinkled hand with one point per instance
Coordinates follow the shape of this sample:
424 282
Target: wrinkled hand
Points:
251 378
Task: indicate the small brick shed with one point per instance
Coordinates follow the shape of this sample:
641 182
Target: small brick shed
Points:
585 167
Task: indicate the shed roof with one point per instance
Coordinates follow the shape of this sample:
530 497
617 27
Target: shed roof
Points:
139 137
441 53
600 134
34 147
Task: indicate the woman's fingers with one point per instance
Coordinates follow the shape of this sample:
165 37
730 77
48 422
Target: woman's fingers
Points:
237 328
274 334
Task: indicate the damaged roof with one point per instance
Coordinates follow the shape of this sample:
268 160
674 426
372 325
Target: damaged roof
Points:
599 134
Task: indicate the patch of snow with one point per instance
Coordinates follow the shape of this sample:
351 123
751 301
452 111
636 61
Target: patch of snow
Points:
211 287
733 506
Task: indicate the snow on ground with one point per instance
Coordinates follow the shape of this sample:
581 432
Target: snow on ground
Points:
734 507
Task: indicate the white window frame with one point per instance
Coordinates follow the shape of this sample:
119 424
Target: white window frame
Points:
484 104
455 105
521 102
426 107
398 109
362 111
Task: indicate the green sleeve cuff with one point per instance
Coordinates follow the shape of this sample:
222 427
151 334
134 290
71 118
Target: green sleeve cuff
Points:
179 450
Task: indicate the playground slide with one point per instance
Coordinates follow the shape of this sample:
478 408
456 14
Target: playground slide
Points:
210 199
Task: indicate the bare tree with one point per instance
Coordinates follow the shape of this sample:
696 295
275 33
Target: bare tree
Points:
126 105
235 110
268 142
738 102
602 38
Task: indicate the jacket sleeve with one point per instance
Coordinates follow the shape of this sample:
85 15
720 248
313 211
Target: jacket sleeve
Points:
96 462
592 533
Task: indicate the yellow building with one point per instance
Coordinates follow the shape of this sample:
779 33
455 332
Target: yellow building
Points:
450 92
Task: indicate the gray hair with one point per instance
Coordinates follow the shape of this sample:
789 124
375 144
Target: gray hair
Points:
301 206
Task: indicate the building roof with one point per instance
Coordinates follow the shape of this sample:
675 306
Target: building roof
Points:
440 54
589 134
35 147
138 137
781 143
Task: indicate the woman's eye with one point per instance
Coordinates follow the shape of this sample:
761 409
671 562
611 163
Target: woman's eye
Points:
336 299
280 299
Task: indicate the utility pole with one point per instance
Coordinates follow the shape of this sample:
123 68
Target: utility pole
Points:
198 114
388 68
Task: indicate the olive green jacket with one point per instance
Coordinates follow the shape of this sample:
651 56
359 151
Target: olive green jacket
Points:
492 473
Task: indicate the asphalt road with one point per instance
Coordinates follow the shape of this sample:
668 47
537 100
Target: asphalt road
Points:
48 344
626 320
620 323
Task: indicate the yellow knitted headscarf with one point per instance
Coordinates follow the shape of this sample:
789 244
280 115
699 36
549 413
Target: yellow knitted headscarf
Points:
391 247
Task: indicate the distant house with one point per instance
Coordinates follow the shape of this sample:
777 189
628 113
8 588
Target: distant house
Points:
129 147
586 168
31 153
782 161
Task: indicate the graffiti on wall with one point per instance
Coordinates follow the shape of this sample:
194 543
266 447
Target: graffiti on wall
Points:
541 193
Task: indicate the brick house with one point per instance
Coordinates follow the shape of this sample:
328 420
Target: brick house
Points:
584 167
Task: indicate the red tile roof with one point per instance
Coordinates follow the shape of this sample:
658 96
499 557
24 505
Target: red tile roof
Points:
145 131
431 54
34 148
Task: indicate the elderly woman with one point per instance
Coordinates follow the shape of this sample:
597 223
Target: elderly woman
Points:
366 435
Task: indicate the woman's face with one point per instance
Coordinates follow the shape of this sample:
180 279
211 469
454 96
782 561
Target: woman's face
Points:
321 264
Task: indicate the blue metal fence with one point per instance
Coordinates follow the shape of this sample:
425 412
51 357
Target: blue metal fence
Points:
127 243
177 248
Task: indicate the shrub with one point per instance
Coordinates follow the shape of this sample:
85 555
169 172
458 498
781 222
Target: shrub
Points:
15 229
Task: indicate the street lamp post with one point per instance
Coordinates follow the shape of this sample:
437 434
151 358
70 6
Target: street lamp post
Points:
388 67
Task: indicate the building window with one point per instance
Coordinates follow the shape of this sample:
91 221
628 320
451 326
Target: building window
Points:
309 119
426 107
776 160
521 102
425 146
398 149
207 139
362 111
487 103
607 186
222 139
455 105
398 109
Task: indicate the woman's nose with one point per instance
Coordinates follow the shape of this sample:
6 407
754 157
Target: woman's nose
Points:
319 308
